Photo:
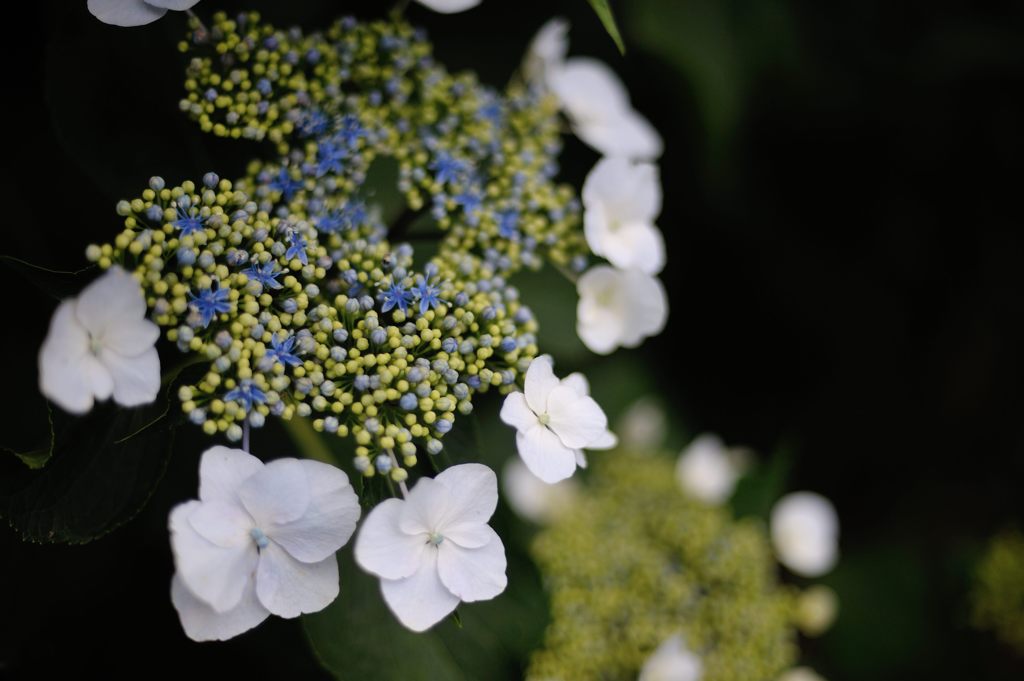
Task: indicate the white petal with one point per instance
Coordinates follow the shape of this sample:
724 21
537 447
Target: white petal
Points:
672 662
577 382
328 522
419 601
705 470
124 12
425 508
381 546
801 674
474 495
216 575
136 380
540 381
517 413
468 535
449 6
602 310
63 378
276 494
222 471
221 523
532 498
628 134
581 458
289 588
577 421
805 533
649 311
131 337
547 51
628 191
100 380
476 574
636 246
115 299
589 90
606 440
203 623
177 5
545 455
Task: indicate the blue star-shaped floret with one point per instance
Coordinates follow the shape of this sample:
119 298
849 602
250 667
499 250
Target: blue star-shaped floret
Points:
447 169
211 302
428 295
286 184
351 131
247 394
283 351
396 296
508 222
189 221
297 248
265 274
330 158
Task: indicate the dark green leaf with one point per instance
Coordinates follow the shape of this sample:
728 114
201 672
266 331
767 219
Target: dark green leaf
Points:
604 13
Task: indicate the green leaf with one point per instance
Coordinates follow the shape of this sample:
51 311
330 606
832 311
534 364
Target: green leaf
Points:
604 13
98 472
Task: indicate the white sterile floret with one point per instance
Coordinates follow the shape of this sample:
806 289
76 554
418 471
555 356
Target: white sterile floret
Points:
708 470
546 52
135 12
618 308
598 107
805 533
801 674
642 426
672 661
621 200
434 549
99 345
449 6
534 499
555 421
260 540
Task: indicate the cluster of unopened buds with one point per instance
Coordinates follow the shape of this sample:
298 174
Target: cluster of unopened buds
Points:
299 300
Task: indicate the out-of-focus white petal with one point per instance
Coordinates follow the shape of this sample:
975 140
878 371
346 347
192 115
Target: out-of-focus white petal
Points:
533 498
277 494
545 455
516 412
215 574
449 6
540 381
125 12
382 548
577 382
606 440
707 470
203 623
589 90
805 533
420 601
642 426
619 308
222 470
288 587
62 377
628 134
816 610
329 520
577 421
136 380
801 674
131 337
111 301
547 51
672 661
176 5
476 574
629 192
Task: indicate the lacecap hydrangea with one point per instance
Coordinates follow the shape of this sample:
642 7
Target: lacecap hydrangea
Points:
288 282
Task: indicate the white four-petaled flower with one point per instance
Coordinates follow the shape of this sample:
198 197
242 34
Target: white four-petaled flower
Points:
618 308
805 533
449 6
672 661
555 421
434 549
100 344
261 539
708 470
135 12
599 110
621 200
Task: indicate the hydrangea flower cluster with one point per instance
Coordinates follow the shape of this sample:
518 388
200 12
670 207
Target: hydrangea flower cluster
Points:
997 599
286 280
628 571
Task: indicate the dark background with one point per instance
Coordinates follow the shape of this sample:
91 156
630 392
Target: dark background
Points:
844 271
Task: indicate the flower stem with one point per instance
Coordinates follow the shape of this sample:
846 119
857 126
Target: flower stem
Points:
245 436
401 483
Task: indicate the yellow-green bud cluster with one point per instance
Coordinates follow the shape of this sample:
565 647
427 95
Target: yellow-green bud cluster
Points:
998 596
481 163
636 561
